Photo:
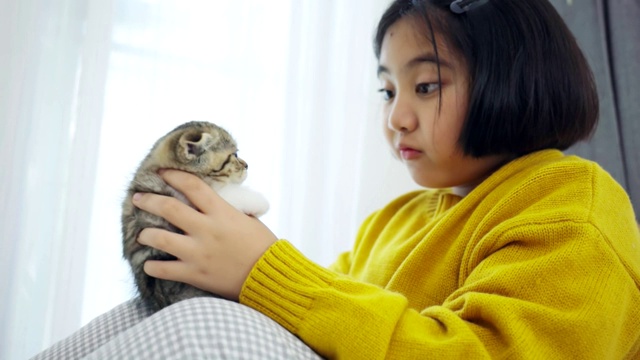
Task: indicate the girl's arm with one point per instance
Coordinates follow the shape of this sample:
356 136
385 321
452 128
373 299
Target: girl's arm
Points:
571 300
526 298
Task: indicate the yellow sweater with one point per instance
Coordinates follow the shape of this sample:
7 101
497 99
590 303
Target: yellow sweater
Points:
540 261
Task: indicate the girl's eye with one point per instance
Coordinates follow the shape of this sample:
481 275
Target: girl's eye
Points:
386 94
426 88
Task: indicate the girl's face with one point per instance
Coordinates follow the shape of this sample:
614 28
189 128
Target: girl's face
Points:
423 136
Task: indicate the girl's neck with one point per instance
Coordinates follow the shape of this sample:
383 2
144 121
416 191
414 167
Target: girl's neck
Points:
464 190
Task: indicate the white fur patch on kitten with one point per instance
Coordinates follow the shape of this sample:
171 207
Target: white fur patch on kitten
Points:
245 199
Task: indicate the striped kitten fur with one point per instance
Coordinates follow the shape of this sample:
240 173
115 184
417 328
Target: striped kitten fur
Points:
207 151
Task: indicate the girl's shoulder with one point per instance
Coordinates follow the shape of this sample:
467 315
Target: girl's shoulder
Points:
543 166
562 198
551 176
550 187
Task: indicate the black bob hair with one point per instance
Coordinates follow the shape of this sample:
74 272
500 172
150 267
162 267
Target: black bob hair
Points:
531 87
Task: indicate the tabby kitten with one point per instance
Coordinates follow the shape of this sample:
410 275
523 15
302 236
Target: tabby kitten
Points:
207 151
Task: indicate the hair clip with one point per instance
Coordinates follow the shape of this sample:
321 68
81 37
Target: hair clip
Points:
462 6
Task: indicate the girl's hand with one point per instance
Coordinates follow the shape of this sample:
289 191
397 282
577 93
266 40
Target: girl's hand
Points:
220 245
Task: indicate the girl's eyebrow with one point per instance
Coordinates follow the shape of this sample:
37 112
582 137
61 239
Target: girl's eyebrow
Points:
426 58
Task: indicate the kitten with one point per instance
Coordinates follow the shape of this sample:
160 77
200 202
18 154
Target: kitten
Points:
207 151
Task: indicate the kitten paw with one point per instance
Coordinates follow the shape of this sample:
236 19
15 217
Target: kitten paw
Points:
244 199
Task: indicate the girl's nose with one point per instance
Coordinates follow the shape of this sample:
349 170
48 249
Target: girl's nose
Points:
402 117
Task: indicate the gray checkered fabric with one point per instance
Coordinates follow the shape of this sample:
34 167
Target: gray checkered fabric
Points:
200 328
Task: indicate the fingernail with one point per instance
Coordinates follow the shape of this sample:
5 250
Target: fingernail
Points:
137 196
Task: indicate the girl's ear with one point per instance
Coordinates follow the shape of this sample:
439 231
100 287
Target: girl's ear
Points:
193 144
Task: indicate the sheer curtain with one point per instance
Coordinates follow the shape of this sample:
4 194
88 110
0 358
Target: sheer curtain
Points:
87 86
336 165
52 72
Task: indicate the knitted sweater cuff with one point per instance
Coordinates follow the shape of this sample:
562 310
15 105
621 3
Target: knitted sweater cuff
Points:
283 283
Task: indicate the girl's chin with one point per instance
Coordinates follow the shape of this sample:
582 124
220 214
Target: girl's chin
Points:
426 179
427 182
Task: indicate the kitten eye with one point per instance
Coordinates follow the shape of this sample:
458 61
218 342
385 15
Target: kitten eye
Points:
386 94
427 88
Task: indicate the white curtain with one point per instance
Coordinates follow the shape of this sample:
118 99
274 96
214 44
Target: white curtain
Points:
87 86
52 72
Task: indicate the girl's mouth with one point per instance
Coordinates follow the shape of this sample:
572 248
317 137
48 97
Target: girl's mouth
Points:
408 153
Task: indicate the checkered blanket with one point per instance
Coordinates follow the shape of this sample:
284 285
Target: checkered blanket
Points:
200 328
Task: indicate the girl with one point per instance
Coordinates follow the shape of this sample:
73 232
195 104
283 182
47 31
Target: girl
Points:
514 251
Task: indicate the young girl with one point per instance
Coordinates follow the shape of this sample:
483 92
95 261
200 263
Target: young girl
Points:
515 251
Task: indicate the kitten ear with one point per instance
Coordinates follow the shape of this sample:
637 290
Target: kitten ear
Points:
192 145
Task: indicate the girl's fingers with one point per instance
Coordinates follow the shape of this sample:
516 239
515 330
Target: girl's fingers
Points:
171 209
177 245
167 270
194 188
